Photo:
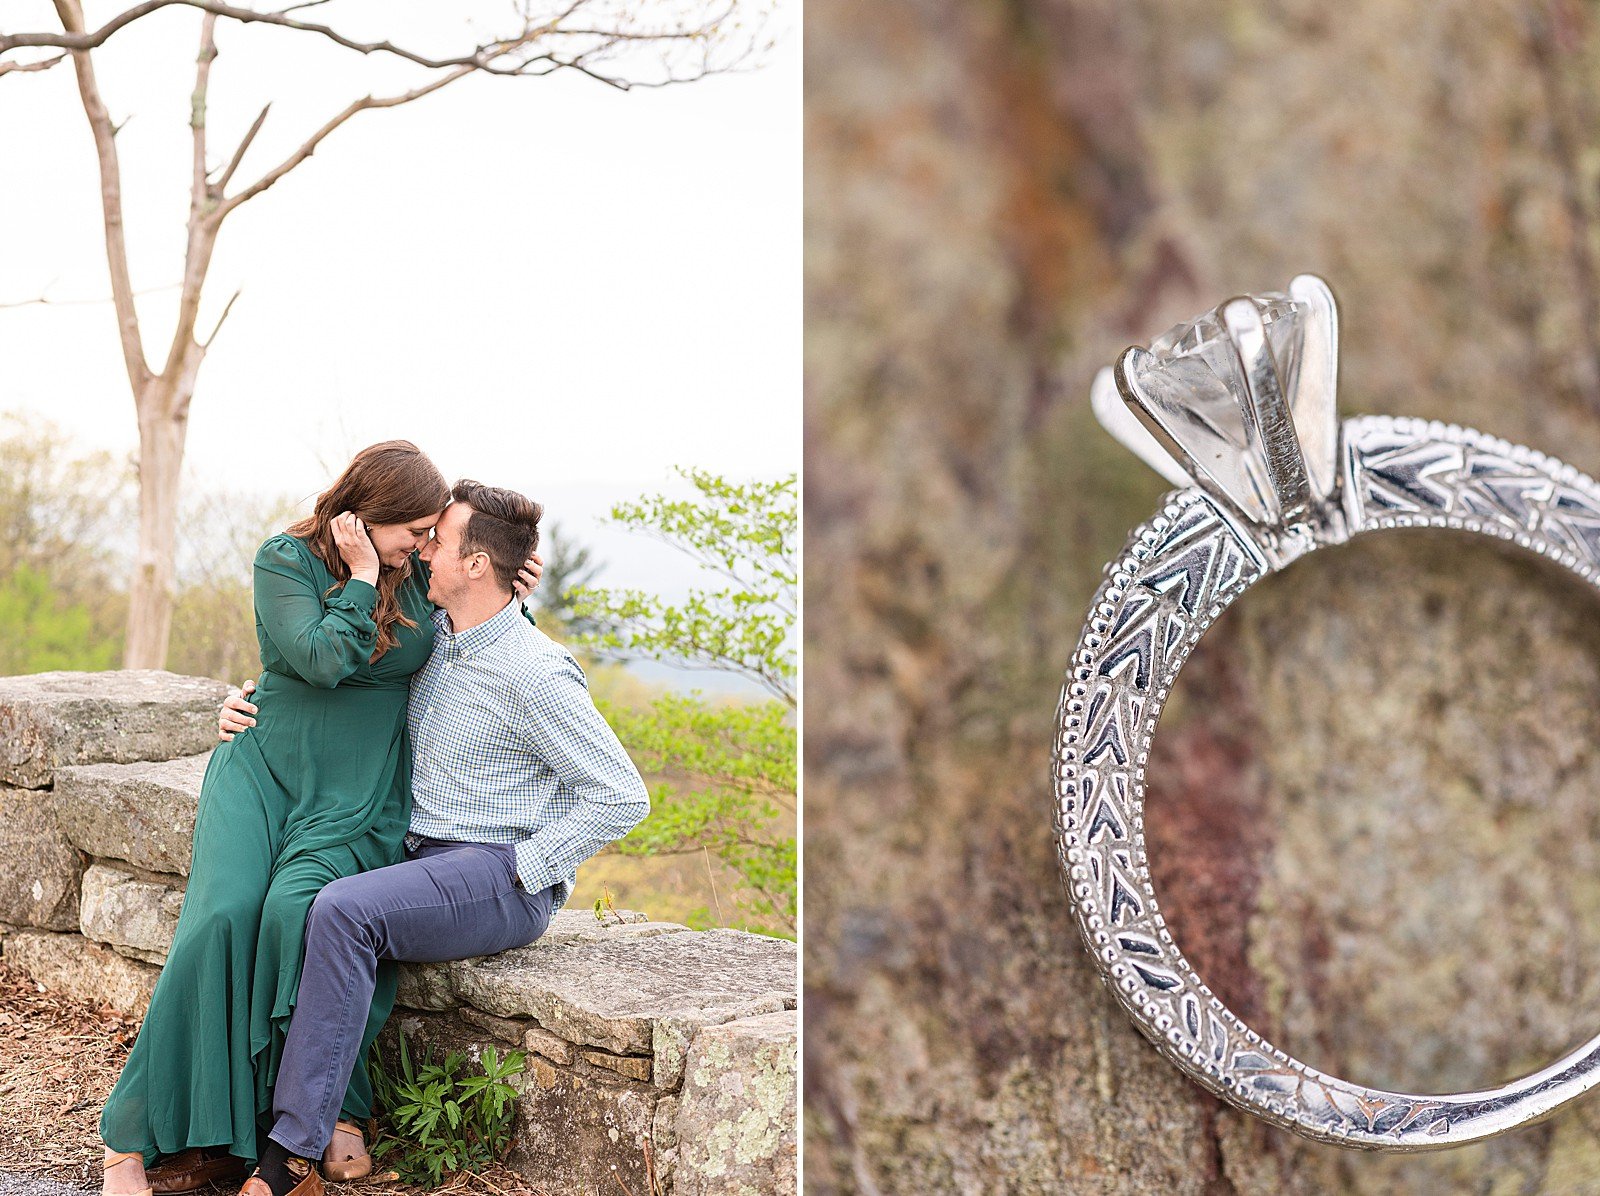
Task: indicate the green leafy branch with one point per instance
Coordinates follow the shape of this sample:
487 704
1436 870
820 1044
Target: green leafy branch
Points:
747 747
748 532
744 532
726 771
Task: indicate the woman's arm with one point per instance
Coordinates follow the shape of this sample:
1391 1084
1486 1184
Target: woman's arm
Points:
324 645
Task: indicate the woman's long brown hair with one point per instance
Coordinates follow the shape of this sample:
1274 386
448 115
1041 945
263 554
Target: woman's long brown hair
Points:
391 482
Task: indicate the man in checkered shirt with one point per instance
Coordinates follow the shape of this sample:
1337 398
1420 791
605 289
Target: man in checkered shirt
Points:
516 780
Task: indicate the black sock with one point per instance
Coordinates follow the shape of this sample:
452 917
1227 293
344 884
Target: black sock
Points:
273 1167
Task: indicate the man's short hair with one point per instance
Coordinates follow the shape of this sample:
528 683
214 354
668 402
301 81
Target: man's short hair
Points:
503 524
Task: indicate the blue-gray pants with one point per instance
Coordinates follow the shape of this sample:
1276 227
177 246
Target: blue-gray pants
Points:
444 901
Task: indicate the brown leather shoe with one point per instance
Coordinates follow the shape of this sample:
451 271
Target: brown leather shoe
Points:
344 1170
310 1182
192 1170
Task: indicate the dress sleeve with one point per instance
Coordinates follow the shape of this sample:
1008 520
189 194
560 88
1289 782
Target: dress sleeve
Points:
324 639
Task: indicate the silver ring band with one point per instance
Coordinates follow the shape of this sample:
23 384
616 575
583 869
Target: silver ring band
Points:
1177 574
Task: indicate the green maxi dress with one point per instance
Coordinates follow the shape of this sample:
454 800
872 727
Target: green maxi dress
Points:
320 788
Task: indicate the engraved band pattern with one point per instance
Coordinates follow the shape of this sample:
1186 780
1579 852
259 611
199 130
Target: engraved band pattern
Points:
1178 573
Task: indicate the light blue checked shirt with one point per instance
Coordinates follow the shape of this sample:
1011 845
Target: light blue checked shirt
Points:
507 747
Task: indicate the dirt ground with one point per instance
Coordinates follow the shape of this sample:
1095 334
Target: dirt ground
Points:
59 1059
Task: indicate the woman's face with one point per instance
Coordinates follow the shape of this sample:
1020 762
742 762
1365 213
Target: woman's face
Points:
396 541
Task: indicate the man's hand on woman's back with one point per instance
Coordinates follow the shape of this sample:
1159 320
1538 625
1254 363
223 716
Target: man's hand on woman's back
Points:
236 713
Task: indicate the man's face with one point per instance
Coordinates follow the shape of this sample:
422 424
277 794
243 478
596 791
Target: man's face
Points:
452 575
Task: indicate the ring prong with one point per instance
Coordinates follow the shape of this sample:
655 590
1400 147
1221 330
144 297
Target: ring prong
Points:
1269 425
1315 401
1153 418
1116 413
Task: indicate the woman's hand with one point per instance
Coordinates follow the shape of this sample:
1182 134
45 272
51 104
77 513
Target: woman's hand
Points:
235 713
528 577
355 546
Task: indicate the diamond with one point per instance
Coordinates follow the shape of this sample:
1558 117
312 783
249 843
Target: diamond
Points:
1204 341
1192 383
1240 402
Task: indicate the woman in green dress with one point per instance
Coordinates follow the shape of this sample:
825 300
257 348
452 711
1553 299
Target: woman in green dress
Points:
319 790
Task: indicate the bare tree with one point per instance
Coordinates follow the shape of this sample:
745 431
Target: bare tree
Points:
607 40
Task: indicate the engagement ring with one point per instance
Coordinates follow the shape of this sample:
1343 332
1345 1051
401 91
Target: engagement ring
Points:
1237 410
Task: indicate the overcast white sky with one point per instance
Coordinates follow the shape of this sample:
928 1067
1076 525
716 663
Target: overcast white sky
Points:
546 283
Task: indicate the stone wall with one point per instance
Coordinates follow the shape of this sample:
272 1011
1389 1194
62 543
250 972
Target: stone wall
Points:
644 1040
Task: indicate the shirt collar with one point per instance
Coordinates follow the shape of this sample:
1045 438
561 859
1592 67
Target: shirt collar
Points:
474 639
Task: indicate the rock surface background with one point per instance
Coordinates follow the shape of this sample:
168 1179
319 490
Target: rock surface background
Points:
1373 812
652 1050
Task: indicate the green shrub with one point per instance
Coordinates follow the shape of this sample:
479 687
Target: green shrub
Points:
434 1122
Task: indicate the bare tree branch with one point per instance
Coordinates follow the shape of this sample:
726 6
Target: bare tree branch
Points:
220 187
44 64
197 110
206 344
478 59
46 301
71 14
310 146
536 64
202 230
486 57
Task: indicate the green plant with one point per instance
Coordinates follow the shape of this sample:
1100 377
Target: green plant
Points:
729 787
605 904
434 1122
726 767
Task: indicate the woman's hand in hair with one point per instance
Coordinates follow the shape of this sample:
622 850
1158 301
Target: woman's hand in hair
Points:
355 546
528 577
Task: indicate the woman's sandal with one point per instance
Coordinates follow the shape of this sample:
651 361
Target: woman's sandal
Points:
345 1170
117 1156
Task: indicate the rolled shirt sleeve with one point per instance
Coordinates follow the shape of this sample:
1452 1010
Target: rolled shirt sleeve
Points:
560 725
